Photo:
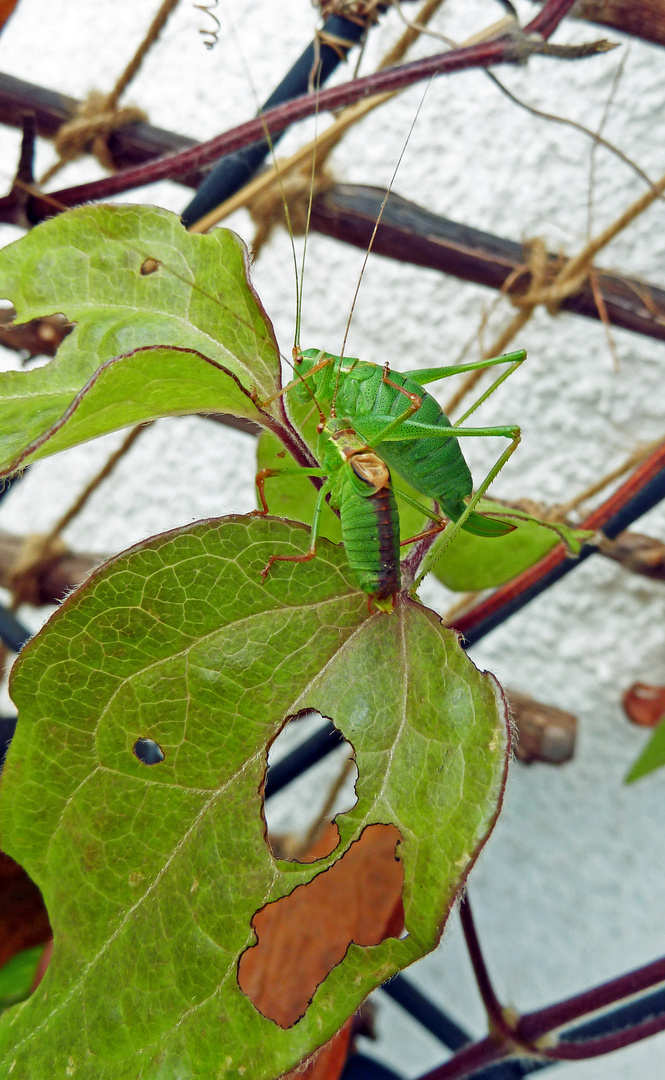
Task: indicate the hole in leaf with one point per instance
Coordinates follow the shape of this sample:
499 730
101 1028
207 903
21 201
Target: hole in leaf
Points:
7 729
303 936
25 927
149 266
299 817
148 751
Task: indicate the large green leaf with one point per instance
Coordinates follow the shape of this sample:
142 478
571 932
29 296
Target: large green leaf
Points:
152 874
196 310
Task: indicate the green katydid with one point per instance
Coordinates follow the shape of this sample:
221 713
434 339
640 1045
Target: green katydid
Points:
417 441
391 415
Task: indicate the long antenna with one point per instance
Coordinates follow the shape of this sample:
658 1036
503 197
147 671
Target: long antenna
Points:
374 232
252 86
301 280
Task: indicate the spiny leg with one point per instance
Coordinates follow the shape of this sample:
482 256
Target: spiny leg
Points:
422 376
302 379
514 359
440 522
311 552
381 429
412 430
265 474
454 527
490 389
378 429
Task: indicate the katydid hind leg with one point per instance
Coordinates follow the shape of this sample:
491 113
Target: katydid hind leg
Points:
378 429
422 376
451 531
491 475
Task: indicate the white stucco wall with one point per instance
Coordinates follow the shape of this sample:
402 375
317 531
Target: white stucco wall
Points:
571 887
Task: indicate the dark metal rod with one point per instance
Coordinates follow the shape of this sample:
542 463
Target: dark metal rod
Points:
313 67
311 751
13 633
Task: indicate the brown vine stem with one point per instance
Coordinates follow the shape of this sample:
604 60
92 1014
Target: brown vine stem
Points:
542 1024
644 20
469 1060
535 1025
314 154
499 1026
488 54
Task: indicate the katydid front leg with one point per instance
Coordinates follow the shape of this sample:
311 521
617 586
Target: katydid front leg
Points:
261 478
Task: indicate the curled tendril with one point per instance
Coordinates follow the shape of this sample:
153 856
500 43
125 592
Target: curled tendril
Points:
210 35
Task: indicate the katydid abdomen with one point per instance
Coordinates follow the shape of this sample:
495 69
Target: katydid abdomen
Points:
359 486
370 524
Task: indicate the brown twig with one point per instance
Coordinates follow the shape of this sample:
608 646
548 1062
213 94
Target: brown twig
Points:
54 579
534 1030
536 1025
499 1026
508 50
299 179
97 117
128 147
412 234
645 19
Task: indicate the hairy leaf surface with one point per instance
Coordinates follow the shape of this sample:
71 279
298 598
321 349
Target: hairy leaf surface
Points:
152 874
131 278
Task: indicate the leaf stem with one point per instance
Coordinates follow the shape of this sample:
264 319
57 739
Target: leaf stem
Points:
499 1027
534 1025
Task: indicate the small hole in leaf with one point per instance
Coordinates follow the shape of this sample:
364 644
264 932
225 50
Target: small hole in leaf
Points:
148 751
303 936
149 266
300 814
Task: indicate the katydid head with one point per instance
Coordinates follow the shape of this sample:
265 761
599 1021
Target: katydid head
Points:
310 383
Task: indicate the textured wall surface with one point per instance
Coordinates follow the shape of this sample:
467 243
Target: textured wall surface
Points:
570 889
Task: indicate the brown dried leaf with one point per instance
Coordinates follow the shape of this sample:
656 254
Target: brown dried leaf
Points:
328 1062
359 899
